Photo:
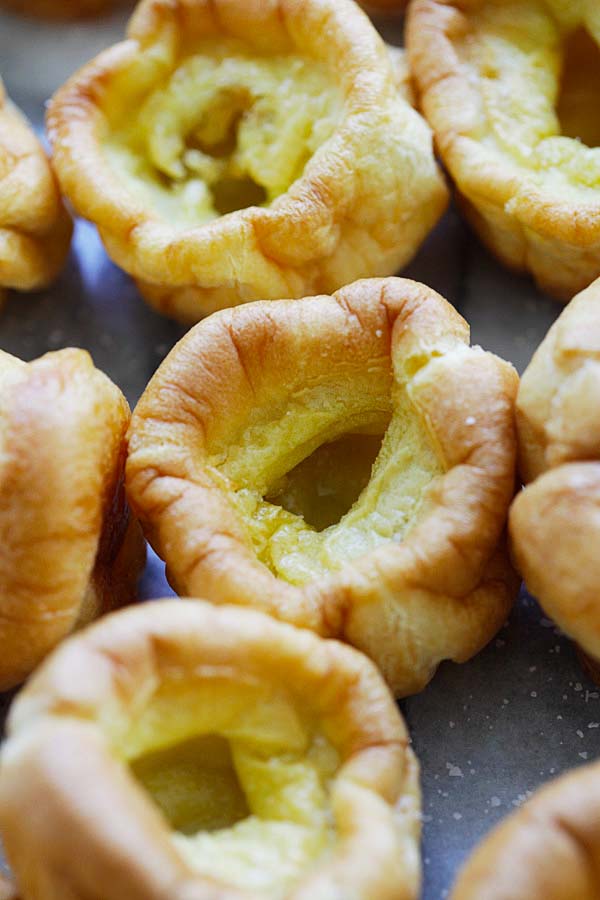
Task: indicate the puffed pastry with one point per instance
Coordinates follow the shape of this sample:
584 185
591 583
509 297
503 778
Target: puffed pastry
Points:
69 549
35 229
344 463
182 751
511 88
555 521
232 151
547 850
60 9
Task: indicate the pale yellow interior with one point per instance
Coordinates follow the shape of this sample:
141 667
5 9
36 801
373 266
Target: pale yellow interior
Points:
226 130
278 479
534 59
241 775
12 370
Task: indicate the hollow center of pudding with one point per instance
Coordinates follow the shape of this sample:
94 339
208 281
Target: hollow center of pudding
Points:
194 784
313 482
322 488
226 130
240 774
579 96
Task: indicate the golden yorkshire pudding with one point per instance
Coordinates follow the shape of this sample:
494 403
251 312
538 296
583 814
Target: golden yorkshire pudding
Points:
344 463
182 751
68 547
511 89
548 850
231 151
60 9
35 230
555 522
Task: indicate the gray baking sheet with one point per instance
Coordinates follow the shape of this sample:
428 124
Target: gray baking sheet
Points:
486 733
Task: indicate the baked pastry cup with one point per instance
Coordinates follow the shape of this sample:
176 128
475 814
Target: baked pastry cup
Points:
35 229
278 764
69 549
547 850
232 151
511 90
555 521
60 9
344 463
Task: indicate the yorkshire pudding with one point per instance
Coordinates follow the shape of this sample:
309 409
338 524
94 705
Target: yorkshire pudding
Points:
35 230
183 751
547 850
68 549
231 150
511 91
60 9
344 463
555 522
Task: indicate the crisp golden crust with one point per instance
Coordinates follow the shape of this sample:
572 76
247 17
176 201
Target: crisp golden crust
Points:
555 529
35 229
555 522
68 548
547 850
350 181
144 683
60 9
215 463
489 77
560 391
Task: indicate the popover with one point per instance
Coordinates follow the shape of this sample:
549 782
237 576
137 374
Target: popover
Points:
183 751
232 151
555 521
342 462
69 549
510 89
35 229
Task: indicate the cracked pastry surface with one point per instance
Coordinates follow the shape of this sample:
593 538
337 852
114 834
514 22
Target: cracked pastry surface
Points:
226 153
559 448
68 548
510 89
214 751
342 462
547 850
35 229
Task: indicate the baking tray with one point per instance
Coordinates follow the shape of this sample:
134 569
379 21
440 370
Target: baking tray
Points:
486 733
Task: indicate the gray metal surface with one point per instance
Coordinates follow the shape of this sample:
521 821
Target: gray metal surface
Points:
486 733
